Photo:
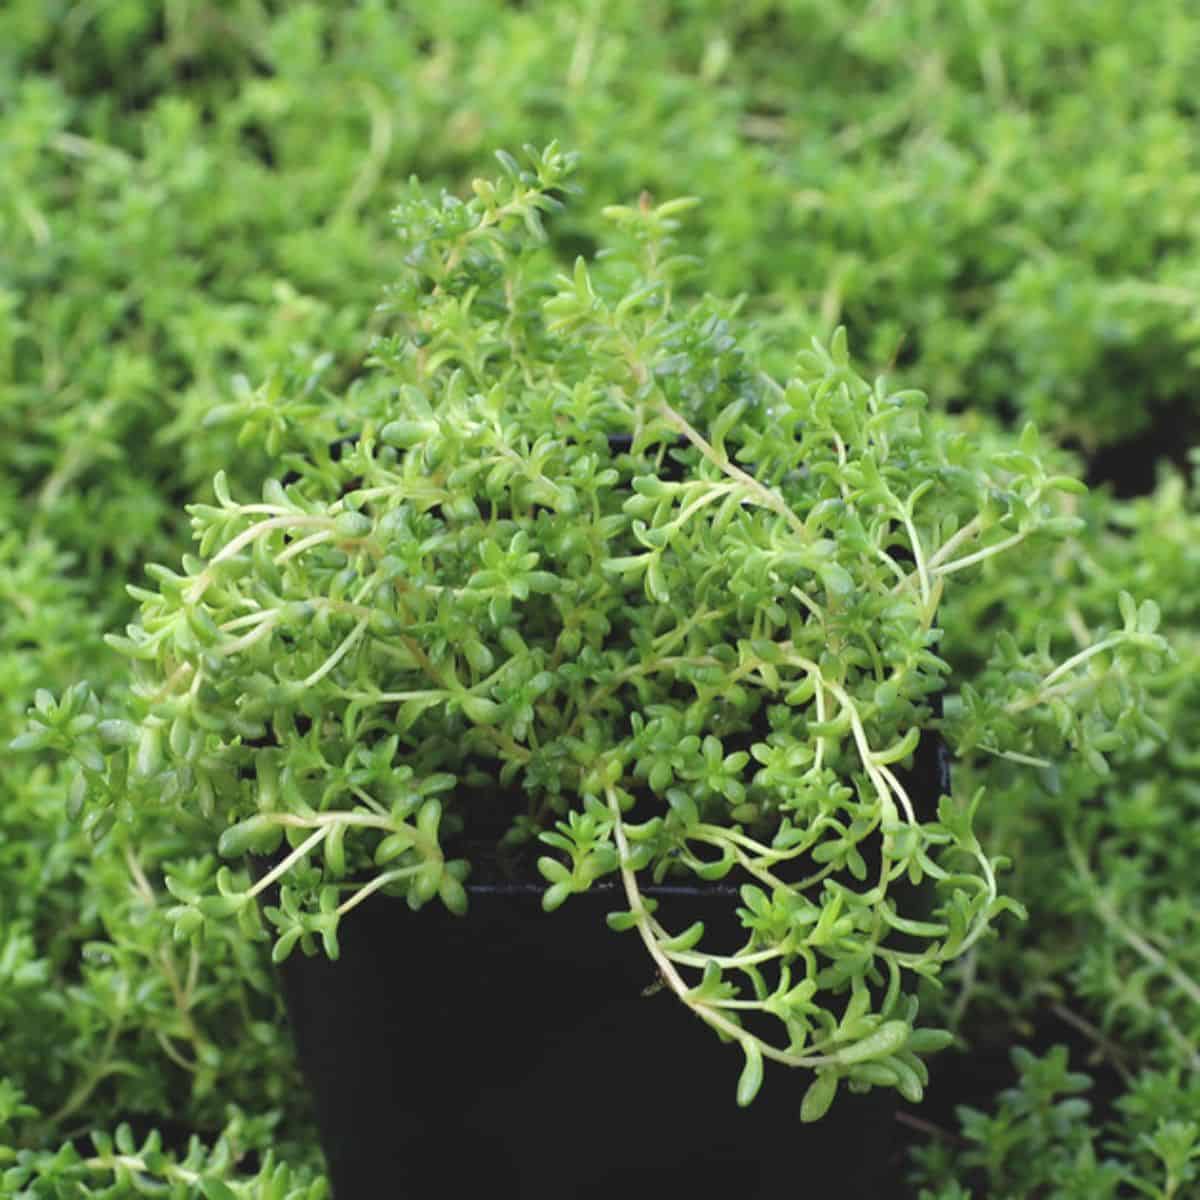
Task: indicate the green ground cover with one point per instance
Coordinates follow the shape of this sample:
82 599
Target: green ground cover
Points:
998 201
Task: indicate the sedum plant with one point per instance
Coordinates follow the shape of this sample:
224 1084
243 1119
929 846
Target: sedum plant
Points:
1104 851
1045 1139
567 569
122 1164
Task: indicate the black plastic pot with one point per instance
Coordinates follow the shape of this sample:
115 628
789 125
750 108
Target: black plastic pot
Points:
513 1053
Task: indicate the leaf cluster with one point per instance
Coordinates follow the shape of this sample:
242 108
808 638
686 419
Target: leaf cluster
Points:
1041 1138
684 612
996 201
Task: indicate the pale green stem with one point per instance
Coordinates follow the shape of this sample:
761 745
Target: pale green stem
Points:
300 853
966 986
898 790
367 179
323 820
105 1066
1045 694
918 555
868 758
193 974
690 958
81 147
764 496
703 1009
761 873
397 697
902 576
378 882
1108 914
960 563
1078 659
714 493
812 606
679 632
133 1163
840 447
267 510
337 656
819 697
736 836
983 923
189 1065
952 543
262 630
265 614
299 547
1027 760
244 539
369 800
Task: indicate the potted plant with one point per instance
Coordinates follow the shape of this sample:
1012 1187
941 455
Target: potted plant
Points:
566 600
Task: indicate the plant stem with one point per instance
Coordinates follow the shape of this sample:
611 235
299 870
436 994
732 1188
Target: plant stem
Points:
1108 914
380 881
297 855
765 497
337 656
244 539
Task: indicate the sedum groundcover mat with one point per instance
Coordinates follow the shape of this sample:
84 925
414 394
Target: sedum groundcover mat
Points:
206 215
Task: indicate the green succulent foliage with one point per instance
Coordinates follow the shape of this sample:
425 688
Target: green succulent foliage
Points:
575 539
1107 834
1042 1140
996 200
101 1018
122 1164
1103 851
198 192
